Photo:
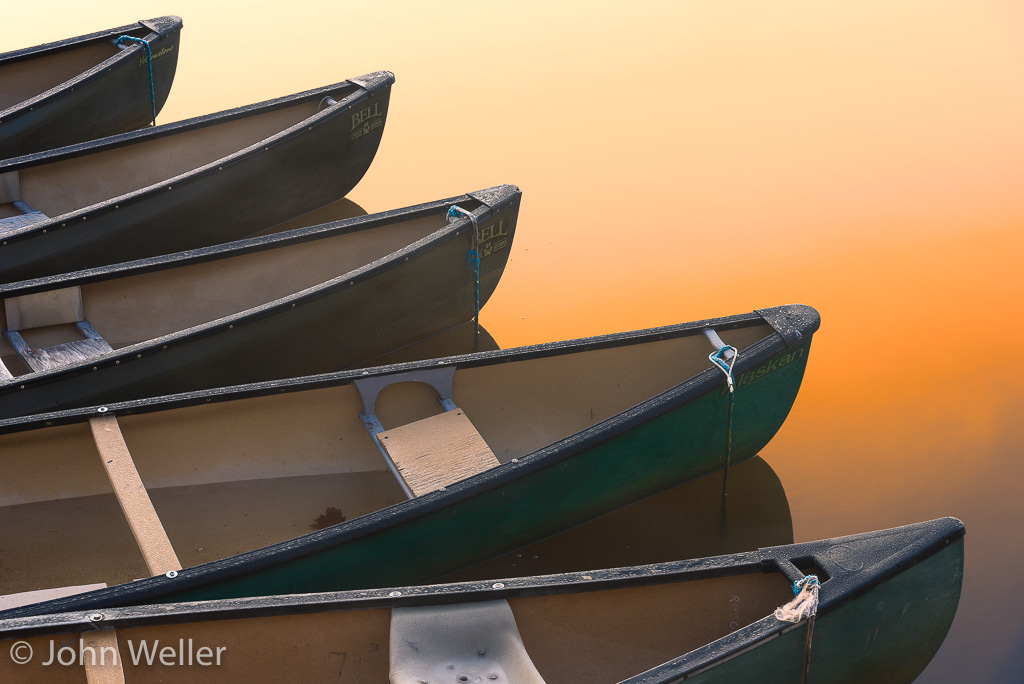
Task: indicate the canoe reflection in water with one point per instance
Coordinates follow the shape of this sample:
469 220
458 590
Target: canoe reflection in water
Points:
688 521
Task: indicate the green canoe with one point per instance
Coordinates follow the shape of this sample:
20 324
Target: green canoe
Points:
886 602
525 443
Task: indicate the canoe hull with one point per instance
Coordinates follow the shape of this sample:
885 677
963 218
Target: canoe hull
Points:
112 98
227 201
588 481
897 625
886 606
347 323
671 438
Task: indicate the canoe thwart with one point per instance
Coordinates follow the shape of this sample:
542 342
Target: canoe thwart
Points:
717 343
437 451
101 657
480 639
132 496
438 378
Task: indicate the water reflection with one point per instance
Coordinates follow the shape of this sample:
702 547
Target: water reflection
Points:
860 157
688 521
335 211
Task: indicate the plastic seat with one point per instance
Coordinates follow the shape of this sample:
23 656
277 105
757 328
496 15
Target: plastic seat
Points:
471 643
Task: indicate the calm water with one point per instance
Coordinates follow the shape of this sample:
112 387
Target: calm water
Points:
683 160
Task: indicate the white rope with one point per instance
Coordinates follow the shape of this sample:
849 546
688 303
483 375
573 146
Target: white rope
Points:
805 604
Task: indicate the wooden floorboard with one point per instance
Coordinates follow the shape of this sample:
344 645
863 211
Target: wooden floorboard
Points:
437 451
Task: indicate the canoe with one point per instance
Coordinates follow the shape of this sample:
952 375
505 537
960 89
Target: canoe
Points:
885 604
86 87
403 473
188 184
306 301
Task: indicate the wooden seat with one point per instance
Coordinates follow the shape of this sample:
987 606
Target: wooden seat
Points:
13 223
437 451
48 308
10 194
48 358
433 452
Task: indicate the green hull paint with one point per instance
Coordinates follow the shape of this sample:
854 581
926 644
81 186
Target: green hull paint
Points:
887 636
683 444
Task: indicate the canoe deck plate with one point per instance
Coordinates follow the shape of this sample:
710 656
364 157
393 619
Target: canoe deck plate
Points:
479 639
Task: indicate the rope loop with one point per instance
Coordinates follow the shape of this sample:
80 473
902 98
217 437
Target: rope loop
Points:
473 255
804 604
149 62
718 359
801 583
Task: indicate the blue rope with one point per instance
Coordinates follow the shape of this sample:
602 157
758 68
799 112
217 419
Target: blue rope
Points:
149 62
718 359
801 583
472 256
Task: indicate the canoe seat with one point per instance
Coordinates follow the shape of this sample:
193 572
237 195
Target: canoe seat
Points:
48 358
10 194
475 642
437 451
13 223
48 308
431 453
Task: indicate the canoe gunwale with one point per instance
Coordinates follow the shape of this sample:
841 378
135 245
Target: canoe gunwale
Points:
367 271
88 75
407 511
237 247
117 140
71 219
76 41
471 360
925 540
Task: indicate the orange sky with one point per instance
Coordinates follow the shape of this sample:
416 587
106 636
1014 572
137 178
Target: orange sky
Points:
682 160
